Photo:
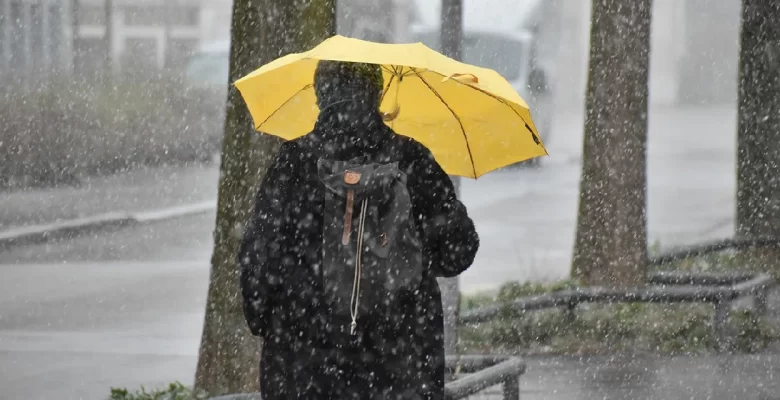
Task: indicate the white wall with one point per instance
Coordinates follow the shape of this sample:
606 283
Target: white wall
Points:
667 45
215 20
480 14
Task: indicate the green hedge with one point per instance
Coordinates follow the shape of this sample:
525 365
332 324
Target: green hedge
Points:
62 129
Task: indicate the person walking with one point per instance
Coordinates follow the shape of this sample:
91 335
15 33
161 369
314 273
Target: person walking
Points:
352 225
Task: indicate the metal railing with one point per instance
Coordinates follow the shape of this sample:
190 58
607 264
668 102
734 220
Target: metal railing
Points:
713 247
472 374
476 373
719 290
668 288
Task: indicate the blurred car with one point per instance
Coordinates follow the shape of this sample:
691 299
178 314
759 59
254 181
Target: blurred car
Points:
512 55
209 66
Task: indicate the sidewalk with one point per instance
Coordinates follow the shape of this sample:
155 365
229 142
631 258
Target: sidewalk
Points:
134 191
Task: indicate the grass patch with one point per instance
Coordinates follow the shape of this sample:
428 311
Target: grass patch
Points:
722 261
593 328
174 391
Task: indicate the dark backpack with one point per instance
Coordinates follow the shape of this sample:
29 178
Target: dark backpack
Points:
372 253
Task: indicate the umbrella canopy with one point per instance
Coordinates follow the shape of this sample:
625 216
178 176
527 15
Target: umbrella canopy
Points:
469 117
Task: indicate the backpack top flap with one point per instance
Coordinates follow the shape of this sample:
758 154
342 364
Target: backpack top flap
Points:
363 178
371 247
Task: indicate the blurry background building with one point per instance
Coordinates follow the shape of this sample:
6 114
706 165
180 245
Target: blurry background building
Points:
38 37
694 50
694 42
34 36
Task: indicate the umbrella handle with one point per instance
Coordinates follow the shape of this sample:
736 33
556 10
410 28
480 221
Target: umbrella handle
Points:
473 77
392 115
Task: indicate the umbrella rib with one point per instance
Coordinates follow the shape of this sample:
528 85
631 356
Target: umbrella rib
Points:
308 86
527 127
504 102
389 82
457 118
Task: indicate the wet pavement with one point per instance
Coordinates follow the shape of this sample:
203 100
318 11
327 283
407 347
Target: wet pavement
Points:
137 190
744 377
649 377
72 331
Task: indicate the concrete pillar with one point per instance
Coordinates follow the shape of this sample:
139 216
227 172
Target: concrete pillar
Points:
116 30
68 34
162 49
168 9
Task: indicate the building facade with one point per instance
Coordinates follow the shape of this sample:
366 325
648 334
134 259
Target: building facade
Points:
39 37
33 35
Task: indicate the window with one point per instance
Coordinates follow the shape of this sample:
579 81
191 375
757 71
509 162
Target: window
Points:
179 51
140 55
146 15
151 15
185 16
91 15
91 55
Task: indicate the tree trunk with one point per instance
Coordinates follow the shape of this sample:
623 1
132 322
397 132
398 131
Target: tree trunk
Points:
758 126
758 130
611 242
262 30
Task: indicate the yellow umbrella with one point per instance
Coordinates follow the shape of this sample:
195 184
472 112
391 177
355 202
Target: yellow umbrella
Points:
469 117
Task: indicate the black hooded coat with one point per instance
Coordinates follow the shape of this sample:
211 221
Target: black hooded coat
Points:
303 356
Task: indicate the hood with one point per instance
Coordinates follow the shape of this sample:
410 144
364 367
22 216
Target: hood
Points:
345 130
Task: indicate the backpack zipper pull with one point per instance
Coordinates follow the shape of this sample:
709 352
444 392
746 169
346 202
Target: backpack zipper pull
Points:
353 327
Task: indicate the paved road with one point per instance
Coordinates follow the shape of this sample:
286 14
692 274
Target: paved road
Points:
72 331
137 190
186 238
